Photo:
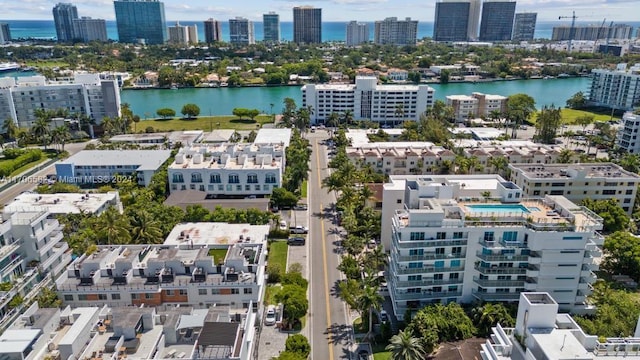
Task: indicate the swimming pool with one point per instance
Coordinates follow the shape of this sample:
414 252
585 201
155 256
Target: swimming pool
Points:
500 208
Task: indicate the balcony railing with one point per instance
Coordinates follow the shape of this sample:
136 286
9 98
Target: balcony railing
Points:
498 283
496 270
426 282
501 257
429 256
427 295
486 296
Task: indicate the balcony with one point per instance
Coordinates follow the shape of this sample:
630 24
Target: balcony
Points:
486 296
496 270
414 244
498 283
426 282
501 257
426 295
404 270
535 258
533 271
429 256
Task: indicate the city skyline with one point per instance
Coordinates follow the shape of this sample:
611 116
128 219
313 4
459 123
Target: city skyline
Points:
333 10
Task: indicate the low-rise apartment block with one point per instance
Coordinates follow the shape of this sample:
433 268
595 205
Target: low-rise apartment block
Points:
406 158
477 105
541 332
478 237
200 264
231 169
576 182
186 138
139 333
627 136
367 100
65 203
105 166
84 94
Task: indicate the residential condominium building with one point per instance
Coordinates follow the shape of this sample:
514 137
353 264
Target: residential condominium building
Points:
396 32
88 29
200 264
592 32
231 169
618 89
212 31
241 31
476 105
271 27
542 332
65 203
452 21
84 94
64 15
100 167
140 21
472 238
357 33
627 136
307 25
181 34
368 100
219 333
497 20
524 27
5 33
576 182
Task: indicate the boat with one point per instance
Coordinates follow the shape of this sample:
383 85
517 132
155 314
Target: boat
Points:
174 87
9 66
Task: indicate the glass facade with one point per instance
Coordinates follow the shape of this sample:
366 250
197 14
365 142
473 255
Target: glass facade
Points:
497 20
141 21
451 21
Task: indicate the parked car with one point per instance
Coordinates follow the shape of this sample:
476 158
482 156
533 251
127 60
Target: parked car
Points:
296 241
283 225
313 129
384 317
270 319
363 355
299 230
300 207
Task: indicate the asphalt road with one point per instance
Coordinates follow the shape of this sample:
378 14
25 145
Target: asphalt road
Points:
330 330
26 185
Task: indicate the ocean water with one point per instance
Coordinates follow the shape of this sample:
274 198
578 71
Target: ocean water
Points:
331 31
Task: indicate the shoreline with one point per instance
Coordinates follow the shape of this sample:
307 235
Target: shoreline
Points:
300 85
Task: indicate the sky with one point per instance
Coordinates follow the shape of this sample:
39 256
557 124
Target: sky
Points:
333 10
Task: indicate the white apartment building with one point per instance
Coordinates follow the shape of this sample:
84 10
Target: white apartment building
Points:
627 136
65 203
200 264
231 169
477 237
406 158
106 166
618 89
138 333
541 333
386 104
477 105
576 182
85 94
181 34
357 33
399 75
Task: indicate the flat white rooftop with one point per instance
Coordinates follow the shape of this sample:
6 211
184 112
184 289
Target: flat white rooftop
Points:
216 136
273 136
63 203
210 233
479 133
144 159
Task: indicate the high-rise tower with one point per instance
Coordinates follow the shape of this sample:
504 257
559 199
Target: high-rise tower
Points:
357 33
271 27
452 19
63 15
307 25
497 20
396 32
241 31
524 27
140 21
212 31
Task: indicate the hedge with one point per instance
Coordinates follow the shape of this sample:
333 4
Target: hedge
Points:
9 166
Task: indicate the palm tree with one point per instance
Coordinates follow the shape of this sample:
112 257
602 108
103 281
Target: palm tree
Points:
399 112
405 346
347 117
565 156
40 130
113 226
499 164
369 300
60 135
10 128
146 230
333 120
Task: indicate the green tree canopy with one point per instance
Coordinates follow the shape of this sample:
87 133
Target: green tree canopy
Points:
190 110
623 254
547 125
577 101
166 113
438 323
614 217
298 343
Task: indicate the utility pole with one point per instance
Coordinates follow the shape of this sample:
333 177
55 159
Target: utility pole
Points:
572 30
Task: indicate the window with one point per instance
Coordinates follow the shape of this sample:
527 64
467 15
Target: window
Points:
455 263
148 296
437 276
488 236
627 201
202 291
234 179
82 297
248 290
608 192
182 292
270 179
441 235
414 278
102 296
439 264
417 236
415 265
214 178
399 201
115 296
252 179
510 236
458 235
628 192
196 178
178 178
68 298
235 291
169 292
135 296
215 291
454 276
416 252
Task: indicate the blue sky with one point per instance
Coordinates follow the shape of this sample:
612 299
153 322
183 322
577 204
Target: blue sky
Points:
333 10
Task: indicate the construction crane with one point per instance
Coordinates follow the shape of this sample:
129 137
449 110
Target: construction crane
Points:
606 44
572 30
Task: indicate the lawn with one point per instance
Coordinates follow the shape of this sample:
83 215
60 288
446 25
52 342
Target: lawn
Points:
47 63
270 292
303 188
278 251
206 123
569 116
379 353
218 255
